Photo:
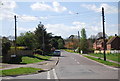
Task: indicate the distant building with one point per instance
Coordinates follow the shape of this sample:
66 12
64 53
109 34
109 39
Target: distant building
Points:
98 44
113 43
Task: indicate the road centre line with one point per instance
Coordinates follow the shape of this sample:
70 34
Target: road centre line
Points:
48 75
54 73
78 62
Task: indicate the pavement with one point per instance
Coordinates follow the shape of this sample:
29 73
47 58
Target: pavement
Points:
74 66
45 65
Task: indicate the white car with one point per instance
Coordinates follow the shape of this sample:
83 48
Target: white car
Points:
57 53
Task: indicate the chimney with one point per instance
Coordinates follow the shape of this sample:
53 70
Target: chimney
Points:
115 34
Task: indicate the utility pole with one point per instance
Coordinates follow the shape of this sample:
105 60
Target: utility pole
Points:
15 34
104 44
79 40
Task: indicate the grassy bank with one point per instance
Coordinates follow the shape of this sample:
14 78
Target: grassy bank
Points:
104 62
29 59
19 71
114 57
34 59
68 50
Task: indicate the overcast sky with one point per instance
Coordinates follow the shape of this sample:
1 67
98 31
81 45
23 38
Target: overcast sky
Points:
60 18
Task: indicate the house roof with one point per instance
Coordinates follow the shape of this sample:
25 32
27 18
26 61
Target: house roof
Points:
99 41
112 39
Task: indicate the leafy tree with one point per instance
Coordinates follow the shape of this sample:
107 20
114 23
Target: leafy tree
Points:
83 41
54 43
60 43
27 39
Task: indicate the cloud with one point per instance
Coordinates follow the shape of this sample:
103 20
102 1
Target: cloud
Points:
80 24
26 18
8 5
60 29
67 30
108 9
64 30
43 18
24 29
70 12
7 9
56 7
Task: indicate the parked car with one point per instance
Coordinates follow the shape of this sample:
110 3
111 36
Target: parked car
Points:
57 53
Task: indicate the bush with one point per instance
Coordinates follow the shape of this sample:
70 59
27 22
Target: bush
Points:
5 49
38 51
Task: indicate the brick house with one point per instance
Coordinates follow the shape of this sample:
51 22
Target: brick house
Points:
98 44
113 43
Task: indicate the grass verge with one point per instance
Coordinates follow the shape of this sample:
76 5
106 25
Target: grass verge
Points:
19 71
29 59
34 59
114 57
68 50
104 62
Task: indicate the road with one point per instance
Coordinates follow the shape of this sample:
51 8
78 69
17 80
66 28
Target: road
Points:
74 66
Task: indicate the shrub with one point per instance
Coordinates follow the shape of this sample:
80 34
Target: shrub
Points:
37 51
5 49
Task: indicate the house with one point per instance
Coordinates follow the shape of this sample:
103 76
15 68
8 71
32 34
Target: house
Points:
113 43
98 44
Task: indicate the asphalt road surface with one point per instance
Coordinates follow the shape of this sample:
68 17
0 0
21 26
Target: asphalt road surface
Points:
74 66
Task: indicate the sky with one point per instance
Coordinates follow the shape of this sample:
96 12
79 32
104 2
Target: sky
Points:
60 18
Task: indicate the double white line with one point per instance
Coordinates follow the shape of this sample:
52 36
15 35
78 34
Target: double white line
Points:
76 60
54 73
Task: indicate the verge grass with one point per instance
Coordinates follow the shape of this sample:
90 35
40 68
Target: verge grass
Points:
114 57
34 59
104 62
19 71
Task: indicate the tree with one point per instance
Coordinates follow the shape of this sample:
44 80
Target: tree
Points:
57 42
43 38
54 43
27 39
83 41
60 43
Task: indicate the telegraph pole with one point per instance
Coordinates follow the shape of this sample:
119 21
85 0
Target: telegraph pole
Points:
104 44
15 34
79 40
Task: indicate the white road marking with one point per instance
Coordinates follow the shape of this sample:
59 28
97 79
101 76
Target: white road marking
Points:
78 62
8 78
75 60
48 75
54 73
